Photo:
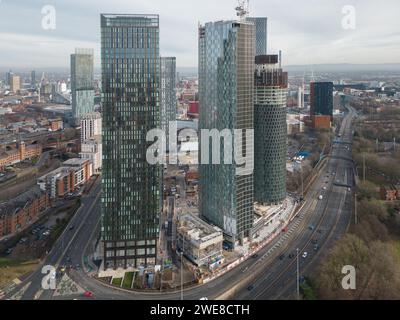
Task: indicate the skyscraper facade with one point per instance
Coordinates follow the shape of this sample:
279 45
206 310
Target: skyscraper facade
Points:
321 98
90 125
9 75
15 84
226 73
167 93
33 79
261 34
131 197
270 90
82 83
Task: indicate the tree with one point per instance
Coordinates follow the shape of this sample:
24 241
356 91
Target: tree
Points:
367 189
376 265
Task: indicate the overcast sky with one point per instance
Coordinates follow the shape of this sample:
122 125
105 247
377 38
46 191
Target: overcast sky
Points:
307 31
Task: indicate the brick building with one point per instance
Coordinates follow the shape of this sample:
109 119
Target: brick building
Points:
321 121
18 154
21 211
390 193
66 179
56 124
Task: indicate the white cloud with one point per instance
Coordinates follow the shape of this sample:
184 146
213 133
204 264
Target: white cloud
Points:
308 31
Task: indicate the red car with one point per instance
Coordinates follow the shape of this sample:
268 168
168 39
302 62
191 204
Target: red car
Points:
88 294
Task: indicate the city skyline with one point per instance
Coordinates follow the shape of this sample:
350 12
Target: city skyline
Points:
303 41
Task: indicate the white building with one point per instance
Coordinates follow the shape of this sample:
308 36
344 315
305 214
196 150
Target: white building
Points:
90 125
294 126
91 150
91 145
200 241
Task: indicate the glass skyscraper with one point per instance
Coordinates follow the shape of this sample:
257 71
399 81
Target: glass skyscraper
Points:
82 83
226 75
131 198
168 95
321 98
261 34
270 130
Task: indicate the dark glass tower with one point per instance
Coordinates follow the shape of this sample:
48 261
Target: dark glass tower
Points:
82 83
261 34
321 98
270 86
131 196
226 66
33 79
167 93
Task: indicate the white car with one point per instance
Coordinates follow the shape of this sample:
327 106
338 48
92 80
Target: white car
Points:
204 298
305 254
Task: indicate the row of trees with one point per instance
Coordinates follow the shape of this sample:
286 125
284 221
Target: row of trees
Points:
371 247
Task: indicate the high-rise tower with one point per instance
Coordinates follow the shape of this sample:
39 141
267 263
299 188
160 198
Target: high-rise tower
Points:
226 74
167 93
131 197
321 98
270 86
261 34
82 83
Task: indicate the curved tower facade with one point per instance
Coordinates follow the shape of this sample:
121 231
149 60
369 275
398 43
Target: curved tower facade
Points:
270 131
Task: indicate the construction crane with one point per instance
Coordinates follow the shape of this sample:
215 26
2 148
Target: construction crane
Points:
242 10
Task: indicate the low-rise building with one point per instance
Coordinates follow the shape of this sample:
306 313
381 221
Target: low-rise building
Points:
83 169
390 193
21 211
18 154
56 124
66 179
294 126
200 242
321 121
91 150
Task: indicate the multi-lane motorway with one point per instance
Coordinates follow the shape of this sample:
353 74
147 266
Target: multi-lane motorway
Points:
327 221
270 275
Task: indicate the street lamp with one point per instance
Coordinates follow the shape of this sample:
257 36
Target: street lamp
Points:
298 275
183 244
302 182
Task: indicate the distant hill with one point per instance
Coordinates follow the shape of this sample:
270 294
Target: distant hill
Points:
344 67
192 71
